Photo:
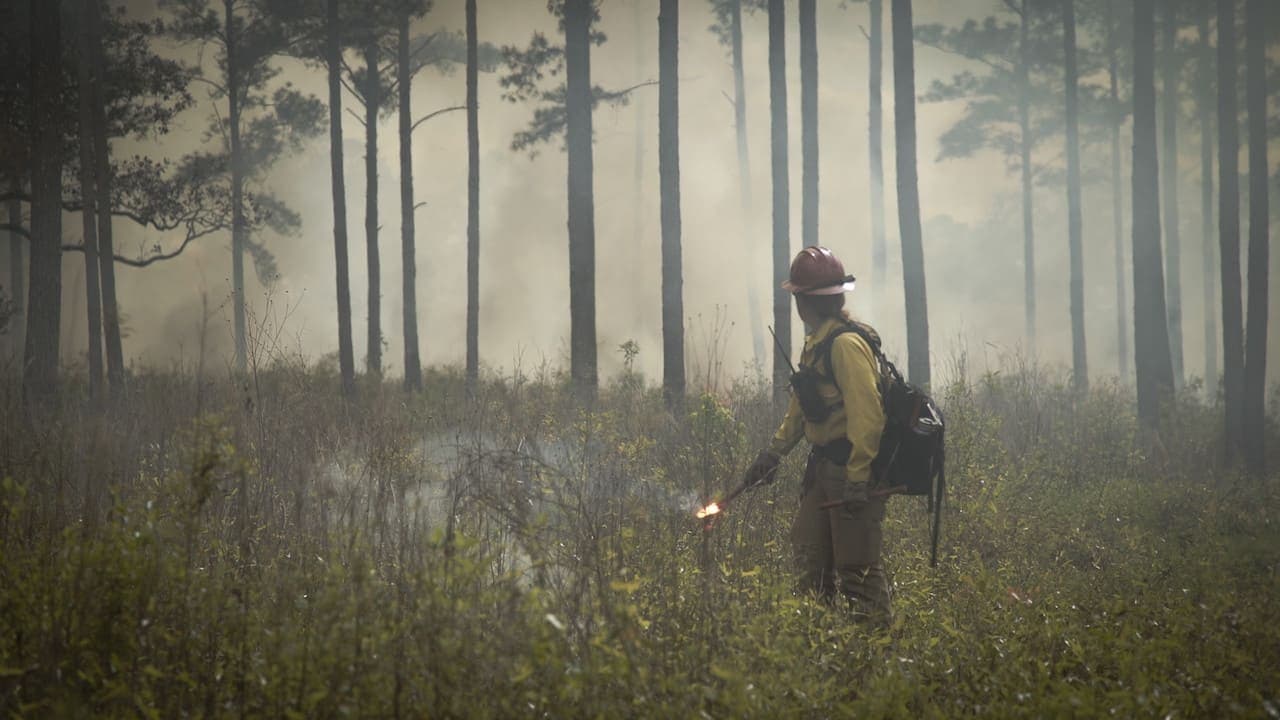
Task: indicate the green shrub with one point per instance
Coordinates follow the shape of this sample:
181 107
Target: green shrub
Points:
268 550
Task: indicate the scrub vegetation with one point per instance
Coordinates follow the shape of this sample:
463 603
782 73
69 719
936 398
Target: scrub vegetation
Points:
264 548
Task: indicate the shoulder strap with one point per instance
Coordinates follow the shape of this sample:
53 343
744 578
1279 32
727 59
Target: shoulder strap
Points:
871 341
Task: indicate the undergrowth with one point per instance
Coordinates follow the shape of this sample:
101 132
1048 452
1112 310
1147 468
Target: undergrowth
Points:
260 548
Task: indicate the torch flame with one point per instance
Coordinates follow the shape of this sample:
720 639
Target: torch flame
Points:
708 511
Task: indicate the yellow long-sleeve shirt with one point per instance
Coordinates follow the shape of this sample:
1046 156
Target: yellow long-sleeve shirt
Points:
856 413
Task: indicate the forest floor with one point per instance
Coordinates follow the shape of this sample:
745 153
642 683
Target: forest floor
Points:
257 547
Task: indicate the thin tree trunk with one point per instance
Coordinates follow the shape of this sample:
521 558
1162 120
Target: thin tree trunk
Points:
913 277
744 181
1151 331
809 121
41 353
673 382
17 275
582 262
1255 366
1229 227
333 59
875 141
1204 102
237 191
102 173
1024 135
372 104
473 200
642 115
1079 354
40 360
1117 199
408 248
88 200
1169 168
781 193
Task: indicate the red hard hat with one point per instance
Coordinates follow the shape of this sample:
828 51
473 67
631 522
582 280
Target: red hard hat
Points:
815 271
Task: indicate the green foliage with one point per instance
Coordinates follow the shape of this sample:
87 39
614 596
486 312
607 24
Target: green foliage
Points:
270 551
527 70
722 11
988 81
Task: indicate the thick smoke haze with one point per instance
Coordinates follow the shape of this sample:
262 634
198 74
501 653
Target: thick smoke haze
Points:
970 212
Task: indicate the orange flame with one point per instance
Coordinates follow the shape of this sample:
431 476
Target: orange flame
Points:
708 511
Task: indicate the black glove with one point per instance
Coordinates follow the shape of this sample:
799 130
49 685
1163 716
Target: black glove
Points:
763 470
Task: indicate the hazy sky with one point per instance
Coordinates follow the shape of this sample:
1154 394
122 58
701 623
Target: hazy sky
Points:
970 210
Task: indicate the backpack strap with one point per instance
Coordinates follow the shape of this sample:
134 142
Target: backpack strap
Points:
872 342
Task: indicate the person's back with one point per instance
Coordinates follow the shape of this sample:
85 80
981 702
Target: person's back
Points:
836 406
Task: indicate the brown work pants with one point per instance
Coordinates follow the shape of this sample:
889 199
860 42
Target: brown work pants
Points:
837 549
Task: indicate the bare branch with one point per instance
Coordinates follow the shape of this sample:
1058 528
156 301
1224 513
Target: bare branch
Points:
637 86
120 212
351 89
207 81
966 56
356 115
16 229
430 115
143 262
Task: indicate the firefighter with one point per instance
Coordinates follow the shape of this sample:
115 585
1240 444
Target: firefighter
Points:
837 533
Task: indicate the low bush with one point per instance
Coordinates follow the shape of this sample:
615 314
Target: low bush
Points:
260 548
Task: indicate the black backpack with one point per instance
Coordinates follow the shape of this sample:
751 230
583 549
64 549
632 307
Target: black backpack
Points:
911 458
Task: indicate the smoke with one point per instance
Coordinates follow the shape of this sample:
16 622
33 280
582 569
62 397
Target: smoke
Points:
970 213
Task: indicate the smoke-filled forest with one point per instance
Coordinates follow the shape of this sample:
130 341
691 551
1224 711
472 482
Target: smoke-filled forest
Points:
639 358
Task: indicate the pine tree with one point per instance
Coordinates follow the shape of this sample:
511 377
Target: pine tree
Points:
1151 330
781 194
673 380
1254 402
1229 228
913 277
1080 364
808 122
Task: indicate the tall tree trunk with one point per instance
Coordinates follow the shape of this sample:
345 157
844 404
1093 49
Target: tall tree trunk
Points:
582 231
1151 331
473 200
642 116
1079 355
673 382
809 121
102 173
744 180
372 104
913 278
1024 136
1255 365
1117 198
781 193
333 60
40 359
1229 227
17 274
1172 239
88 201
1204 103
238 229
875 142
408 246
